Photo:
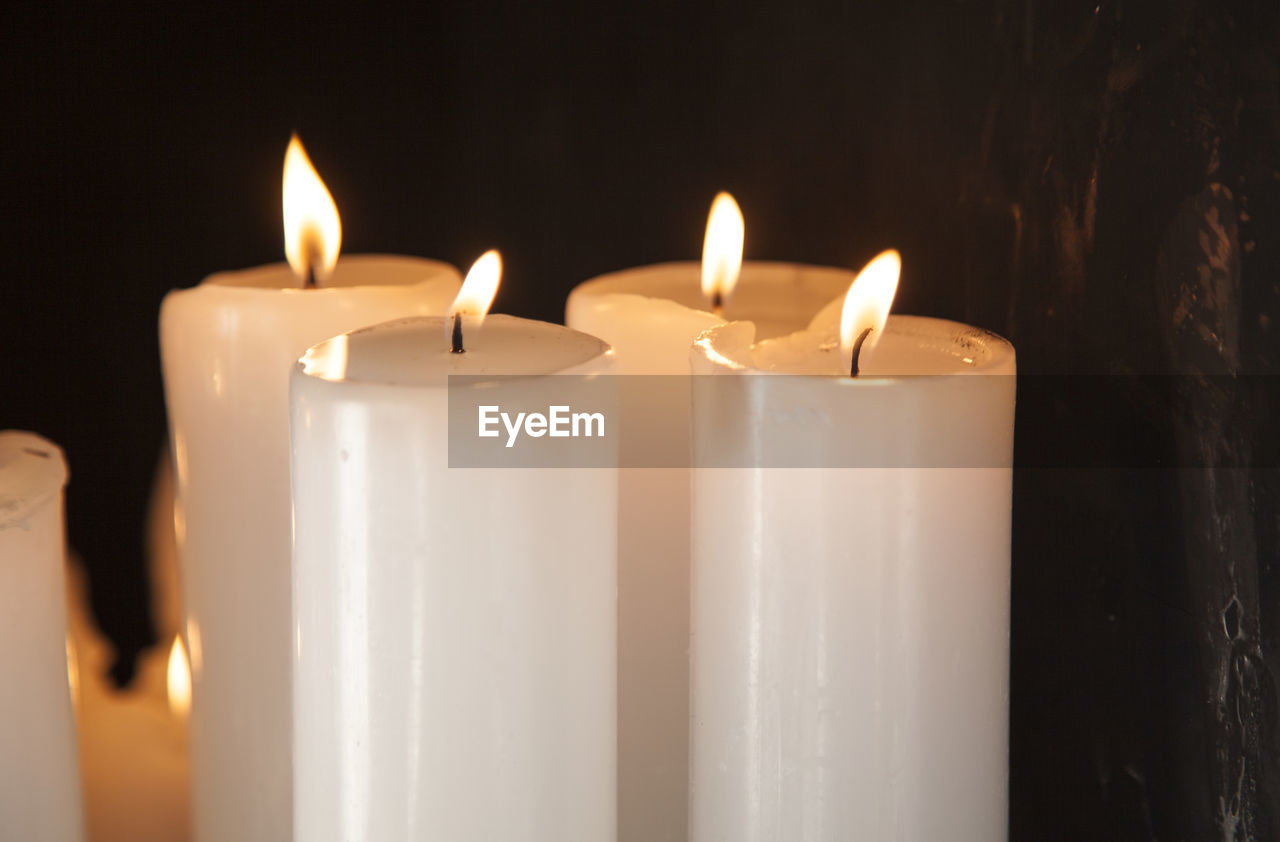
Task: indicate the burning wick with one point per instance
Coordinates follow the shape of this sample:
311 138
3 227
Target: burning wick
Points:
474 298
867 304
857 349
312 229
456 342
314 255
717 303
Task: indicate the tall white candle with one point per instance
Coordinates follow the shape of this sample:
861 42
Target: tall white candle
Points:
228 346
850 599
651 316
454 628
39 773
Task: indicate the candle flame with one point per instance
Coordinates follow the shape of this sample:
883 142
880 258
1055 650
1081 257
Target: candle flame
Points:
312 229
866 305
477 292
722 250
179 680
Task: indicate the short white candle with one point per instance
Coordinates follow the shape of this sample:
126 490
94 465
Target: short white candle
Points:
651 316
39 772
228 346
133 751
454 669
850 624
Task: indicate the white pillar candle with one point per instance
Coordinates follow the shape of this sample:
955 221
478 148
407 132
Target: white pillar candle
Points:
850 622
228 346
651 316
39 772
454 672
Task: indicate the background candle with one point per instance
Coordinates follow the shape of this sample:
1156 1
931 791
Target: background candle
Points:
39 776
228 346
454 629
651 316
133 741
657 311
850 600
134 758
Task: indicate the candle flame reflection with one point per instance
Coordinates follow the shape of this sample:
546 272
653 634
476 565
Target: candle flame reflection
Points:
476 296
179 680
328 360
73 671
722 250
867 304
312 229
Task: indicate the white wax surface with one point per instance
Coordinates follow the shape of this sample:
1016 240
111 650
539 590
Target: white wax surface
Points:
909 345
415 352
454 629
850 625
651 315
228 346
39 775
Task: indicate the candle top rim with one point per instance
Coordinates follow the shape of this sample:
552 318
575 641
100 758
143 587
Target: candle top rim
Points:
952 345
394 270
778 296
657 280
32 471
411 352
616 275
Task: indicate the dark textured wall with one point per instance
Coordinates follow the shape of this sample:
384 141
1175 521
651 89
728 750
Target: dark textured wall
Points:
1099 182
1126 194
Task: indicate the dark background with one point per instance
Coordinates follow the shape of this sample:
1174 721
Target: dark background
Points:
1099 182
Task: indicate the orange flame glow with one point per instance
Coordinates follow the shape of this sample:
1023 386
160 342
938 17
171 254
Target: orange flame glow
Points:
867 304
722 250
312 229
476 295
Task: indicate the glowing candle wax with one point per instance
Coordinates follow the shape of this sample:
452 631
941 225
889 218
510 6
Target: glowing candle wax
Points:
851 579
39 776
651 316
228 346
454 669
